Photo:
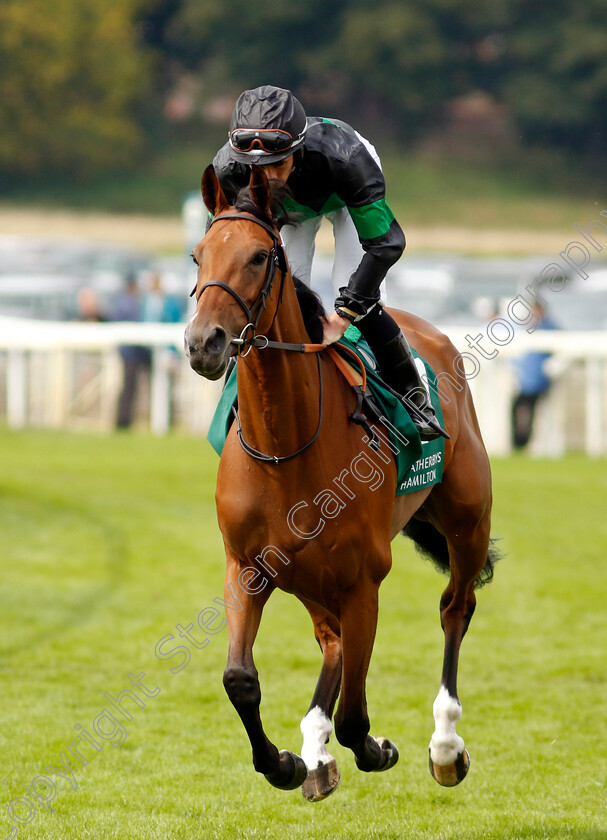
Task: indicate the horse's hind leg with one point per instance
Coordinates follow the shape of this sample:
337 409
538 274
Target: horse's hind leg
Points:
283 769
316 727
468 549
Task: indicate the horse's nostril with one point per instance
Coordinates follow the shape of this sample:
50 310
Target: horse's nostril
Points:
216 340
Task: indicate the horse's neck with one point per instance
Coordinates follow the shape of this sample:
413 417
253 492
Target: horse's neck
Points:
279 389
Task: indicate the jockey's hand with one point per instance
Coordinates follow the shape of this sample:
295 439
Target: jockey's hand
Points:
334 327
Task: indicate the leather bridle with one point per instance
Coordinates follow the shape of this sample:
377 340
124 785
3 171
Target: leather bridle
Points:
276 261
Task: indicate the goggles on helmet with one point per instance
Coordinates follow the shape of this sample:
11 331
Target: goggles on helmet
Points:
263 140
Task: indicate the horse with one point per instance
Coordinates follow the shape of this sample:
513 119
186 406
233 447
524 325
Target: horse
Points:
291 441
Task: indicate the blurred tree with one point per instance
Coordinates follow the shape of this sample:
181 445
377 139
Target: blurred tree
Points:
393 63
555 74
71 75
240 44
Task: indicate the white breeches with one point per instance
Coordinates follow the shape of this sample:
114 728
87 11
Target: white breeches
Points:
299 241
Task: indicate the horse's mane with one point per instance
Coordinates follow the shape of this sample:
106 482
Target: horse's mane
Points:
311 306
279 216
312 310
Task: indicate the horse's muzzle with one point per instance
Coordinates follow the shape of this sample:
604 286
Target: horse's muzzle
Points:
207 350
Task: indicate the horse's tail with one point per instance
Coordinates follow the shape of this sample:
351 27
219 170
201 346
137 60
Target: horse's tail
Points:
432 545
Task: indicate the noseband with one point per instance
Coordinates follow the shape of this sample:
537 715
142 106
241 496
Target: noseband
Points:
276 261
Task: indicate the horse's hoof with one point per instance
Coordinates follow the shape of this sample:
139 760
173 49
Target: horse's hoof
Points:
380 754
390 751
290 773
451 774
321 782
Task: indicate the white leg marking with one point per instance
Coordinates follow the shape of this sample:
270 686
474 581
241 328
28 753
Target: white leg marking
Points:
316 729
445 744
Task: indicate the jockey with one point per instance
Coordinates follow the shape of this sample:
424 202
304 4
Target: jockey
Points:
330 170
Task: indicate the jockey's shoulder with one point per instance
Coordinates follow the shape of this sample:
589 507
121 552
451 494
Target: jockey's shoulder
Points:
332 137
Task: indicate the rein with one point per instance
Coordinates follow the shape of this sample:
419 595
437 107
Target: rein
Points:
277 459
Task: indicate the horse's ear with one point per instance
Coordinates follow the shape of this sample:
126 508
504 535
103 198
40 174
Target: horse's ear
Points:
259 188
212 192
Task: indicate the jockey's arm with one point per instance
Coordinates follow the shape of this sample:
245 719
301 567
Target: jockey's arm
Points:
380 235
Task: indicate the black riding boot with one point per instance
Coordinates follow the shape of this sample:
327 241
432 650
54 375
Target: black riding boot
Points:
398 368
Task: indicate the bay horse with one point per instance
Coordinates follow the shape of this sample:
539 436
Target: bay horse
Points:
292 441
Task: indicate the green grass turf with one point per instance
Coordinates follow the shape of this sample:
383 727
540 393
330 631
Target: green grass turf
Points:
108 542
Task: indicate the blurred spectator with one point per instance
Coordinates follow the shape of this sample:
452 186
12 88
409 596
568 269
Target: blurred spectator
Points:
158 306
136 360
167 309
533 383
89 308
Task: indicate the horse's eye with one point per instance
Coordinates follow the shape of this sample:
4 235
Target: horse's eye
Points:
195 261
259 258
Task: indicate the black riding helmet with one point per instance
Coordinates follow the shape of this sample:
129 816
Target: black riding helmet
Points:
268 124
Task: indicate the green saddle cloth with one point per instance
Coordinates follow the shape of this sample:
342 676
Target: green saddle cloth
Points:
417 465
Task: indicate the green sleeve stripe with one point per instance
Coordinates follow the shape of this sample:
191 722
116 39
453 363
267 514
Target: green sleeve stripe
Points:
372 220
304 212
334 202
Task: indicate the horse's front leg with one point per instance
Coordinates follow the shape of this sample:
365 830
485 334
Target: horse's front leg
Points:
358 619
316 727
282 769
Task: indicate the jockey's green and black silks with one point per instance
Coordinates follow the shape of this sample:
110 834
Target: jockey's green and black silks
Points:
335 169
